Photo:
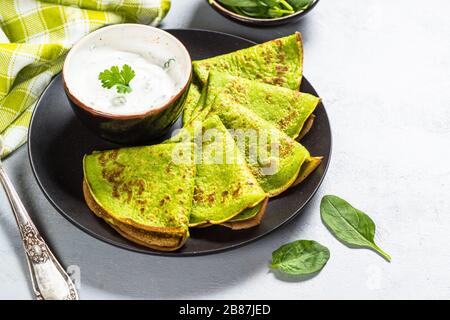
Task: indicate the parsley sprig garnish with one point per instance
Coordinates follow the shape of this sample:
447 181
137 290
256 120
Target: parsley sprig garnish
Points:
119 78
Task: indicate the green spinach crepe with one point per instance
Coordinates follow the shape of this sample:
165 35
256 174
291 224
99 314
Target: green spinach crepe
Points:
156 240
286 109
190 103
224 185
249 218
278 62
274 158
142 193
308 167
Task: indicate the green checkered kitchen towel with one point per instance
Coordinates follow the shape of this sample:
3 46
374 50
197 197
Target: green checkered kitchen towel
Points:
35 36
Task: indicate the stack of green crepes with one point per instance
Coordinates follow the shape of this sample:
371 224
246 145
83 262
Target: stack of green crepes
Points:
243 119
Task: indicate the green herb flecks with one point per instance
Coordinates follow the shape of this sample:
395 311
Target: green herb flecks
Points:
119 78
168 63
301 257
348 224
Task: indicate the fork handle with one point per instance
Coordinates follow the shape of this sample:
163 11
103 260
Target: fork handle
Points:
49 279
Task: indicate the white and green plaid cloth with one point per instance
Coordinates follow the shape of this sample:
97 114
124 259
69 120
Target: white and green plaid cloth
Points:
35 36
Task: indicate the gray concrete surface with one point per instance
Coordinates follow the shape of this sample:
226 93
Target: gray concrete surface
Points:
382 69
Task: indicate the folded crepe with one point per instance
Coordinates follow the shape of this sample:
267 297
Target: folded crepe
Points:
308 167
191 102
143 193
155 240
224 184
248 218
274 158
288 110
278 62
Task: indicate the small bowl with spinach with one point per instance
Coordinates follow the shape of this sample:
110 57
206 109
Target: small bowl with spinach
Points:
263 12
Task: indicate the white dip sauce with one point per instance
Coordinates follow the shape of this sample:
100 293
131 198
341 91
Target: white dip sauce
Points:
151 87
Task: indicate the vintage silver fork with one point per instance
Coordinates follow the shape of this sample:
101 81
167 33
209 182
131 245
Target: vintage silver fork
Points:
49 279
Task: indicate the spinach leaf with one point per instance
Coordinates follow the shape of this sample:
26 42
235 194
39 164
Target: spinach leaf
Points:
301 257
241 3
349 224
285 4
269 3
266 8
276 12
255 12
300 4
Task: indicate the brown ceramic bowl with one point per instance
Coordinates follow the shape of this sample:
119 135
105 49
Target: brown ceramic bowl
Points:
256 22
142 126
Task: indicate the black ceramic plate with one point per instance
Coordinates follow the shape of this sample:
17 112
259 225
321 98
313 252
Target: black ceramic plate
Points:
58 141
